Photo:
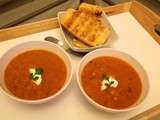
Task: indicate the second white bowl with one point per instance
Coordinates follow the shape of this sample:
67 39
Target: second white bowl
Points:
123 56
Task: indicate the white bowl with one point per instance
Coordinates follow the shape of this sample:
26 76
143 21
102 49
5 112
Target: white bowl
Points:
32 45
69 38
123 56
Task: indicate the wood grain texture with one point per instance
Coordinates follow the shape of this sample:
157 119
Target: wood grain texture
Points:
117 9
147 18
26 29
148 114
26 11
154 5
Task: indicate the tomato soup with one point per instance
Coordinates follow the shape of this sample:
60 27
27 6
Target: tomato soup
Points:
35 74
111 82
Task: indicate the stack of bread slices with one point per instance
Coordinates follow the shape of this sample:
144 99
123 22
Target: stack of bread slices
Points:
86 25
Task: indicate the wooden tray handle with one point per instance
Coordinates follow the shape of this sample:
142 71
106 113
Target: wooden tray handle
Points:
147 18
157 29
150 114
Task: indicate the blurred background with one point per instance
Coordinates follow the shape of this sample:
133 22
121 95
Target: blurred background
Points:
15 12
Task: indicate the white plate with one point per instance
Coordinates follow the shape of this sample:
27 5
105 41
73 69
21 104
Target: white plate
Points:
69 38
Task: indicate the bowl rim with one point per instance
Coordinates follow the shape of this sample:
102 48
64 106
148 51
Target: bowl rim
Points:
97 105
42 100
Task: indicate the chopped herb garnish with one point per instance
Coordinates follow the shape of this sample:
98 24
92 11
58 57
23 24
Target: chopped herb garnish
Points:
108 81
35 78
39 71
111 82
36 74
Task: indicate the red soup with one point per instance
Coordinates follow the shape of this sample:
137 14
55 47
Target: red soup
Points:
35 74
111 82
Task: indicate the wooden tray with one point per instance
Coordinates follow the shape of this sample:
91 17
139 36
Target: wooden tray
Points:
145 17
51 110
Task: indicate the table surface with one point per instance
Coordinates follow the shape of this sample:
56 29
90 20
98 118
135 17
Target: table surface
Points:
133 39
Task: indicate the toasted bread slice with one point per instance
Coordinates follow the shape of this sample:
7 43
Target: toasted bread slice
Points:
93 9
79 43
86 27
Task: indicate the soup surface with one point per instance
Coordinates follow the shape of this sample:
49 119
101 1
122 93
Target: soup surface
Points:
35 74
111 82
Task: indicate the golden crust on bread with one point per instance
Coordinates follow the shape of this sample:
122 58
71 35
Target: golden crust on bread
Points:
79 43
93 9
85 26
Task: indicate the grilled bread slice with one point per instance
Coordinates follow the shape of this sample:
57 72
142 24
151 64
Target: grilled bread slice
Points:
93 9
79 44
86 27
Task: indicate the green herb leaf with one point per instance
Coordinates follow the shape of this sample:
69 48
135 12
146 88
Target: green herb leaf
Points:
111 82
39 71
107 77
35 78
